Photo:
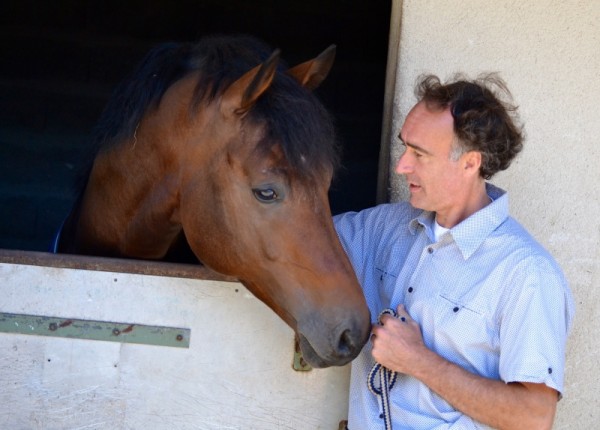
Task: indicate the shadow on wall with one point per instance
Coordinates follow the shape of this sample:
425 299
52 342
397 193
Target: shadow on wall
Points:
59 62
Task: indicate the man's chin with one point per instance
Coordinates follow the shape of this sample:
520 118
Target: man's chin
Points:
417 203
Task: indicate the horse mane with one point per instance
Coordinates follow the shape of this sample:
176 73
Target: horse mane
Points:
291 114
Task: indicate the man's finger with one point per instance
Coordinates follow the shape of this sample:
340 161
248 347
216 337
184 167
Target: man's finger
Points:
402 314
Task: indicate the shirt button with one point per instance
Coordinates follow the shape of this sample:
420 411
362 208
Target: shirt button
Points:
430 250
549 370
381 416
456 309
410 289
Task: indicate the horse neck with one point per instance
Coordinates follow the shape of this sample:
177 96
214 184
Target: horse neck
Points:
130 204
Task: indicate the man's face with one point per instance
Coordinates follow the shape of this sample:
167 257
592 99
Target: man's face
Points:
436 183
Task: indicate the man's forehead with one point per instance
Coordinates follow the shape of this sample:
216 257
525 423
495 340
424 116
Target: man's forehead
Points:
426 123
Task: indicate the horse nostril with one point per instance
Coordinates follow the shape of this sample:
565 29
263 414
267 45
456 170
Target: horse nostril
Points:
346 344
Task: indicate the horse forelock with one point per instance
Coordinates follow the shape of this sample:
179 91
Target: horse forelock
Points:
293 118
291 115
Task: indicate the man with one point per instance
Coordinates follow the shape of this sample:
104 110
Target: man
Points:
483 311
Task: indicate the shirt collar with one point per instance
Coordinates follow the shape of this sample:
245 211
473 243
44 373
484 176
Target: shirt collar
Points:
470 233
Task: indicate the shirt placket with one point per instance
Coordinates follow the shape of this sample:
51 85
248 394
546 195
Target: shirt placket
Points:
406 284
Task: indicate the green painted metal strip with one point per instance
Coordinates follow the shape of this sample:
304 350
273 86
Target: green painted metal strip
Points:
94 330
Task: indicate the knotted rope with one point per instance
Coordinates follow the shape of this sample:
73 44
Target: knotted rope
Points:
387 379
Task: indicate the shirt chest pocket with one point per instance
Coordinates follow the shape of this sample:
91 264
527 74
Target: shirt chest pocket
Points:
464 333
386 286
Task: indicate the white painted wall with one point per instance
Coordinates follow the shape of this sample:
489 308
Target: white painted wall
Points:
548 52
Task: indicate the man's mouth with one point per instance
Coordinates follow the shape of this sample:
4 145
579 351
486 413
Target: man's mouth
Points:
413 187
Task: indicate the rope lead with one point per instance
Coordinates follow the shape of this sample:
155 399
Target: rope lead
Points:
387 379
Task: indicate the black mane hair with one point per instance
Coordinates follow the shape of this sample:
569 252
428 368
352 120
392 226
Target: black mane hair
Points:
292 115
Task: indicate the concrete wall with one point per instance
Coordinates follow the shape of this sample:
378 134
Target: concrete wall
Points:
548 53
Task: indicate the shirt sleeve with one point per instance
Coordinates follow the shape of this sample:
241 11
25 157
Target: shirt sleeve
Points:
534 324
357 231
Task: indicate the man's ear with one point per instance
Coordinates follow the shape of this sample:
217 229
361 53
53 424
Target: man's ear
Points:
472 162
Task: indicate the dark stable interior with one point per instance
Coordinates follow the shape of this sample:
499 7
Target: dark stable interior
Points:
60 61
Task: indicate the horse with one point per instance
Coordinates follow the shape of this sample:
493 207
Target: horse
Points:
219 146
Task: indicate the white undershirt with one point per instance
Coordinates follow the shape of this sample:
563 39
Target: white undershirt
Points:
438 230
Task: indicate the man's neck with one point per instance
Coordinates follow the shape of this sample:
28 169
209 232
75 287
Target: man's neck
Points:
475 200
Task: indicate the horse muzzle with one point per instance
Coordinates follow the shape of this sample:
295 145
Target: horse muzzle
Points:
333 348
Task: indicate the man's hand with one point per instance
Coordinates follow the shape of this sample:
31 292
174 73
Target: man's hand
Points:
397 342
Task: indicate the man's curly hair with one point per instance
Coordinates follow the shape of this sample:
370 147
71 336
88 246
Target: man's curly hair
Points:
483 122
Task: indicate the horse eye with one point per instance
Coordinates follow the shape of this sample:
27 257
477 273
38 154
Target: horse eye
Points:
267 195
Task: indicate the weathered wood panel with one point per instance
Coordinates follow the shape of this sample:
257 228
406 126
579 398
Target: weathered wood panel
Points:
235 374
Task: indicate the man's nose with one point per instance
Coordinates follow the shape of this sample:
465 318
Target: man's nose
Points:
403 166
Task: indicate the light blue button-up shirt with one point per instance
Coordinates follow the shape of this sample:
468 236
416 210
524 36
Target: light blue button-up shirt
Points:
487 297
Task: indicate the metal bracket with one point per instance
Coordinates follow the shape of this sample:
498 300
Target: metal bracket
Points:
299 364
94 330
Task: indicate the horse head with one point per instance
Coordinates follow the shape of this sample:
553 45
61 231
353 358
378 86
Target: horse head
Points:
273 212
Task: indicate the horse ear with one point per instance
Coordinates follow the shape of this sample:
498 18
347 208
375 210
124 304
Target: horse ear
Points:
311 73
240 96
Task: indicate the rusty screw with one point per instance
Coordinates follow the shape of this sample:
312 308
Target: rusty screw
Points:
179 337
52 327
116 331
